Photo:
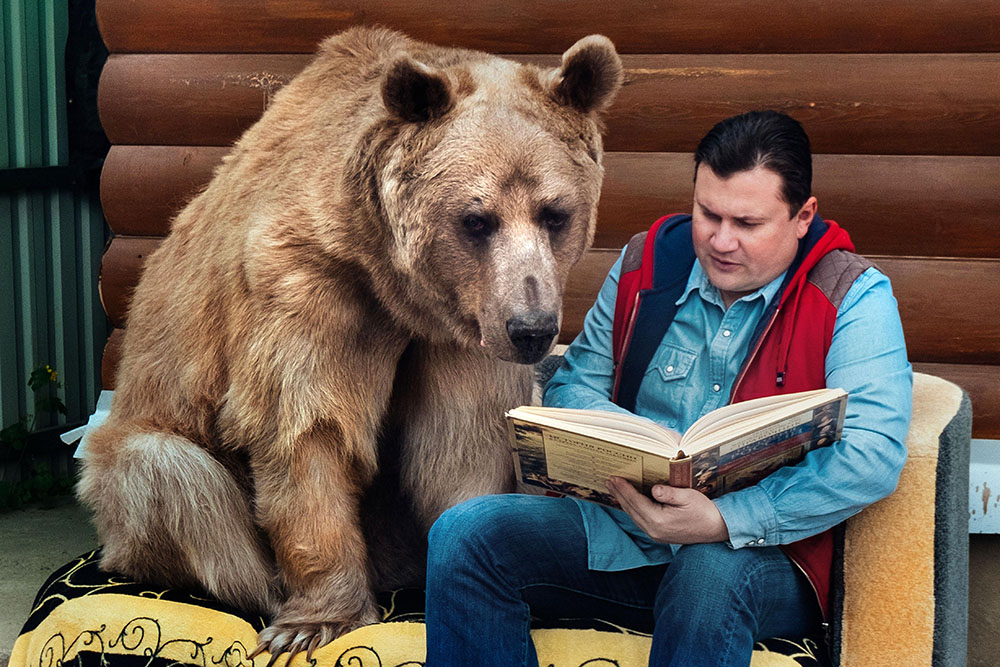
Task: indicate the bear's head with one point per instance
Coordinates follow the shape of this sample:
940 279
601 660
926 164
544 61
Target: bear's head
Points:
489 186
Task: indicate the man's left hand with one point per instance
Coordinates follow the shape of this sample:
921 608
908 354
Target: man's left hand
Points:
673 515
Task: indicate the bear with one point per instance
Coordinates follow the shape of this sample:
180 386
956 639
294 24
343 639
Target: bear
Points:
318 356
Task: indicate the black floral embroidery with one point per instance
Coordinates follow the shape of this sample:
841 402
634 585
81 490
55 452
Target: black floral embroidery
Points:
141 643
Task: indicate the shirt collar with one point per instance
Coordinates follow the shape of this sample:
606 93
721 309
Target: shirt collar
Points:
698 280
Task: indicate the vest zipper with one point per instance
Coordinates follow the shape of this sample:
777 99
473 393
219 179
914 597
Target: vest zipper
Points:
736 385
756 349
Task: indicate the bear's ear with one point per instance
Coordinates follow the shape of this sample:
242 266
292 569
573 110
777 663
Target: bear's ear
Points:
590 76
414 92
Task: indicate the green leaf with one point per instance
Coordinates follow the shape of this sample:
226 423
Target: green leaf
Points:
15 436
43 376
38 378
50 404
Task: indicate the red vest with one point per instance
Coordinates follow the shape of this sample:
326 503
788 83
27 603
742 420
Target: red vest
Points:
788 350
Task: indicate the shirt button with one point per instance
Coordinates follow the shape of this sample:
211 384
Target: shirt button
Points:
670 369
716 387
750 543
760 540
727 333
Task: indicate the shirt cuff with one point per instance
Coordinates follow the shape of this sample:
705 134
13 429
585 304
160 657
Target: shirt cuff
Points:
750 518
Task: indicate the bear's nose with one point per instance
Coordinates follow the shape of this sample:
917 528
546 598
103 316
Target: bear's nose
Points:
532 334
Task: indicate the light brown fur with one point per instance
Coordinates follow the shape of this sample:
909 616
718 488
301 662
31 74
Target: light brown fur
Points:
321 351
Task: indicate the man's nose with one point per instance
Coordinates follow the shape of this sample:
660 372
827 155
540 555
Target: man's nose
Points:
725 239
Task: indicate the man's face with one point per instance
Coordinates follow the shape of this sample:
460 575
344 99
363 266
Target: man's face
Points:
743 235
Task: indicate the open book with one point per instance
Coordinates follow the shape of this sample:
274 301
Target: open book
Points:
573 452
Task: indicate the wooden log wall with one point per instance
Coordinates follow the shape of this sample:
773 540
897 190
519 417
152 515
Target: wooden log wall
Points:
901 101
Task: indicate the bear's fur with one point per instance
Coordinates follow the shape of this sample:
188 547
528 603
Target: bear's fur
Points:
319 355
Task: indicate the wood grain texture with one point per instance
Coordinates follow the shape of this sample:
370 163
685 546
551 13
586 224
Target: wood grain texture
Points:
111 359
942 303
946 204
936 104
121 267
891 205
144 187
520 26
982 384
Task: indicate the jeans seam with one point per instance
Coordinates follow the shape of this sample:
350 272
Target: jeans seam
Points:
731 630
602 598
526 642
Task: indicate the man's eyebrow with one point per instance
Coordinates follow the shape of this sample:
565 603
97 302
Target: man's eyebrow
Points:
739 218
704 209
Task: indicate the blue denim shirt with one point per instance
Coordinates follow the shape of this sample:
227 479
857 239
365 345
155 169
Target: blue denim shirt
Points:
692 373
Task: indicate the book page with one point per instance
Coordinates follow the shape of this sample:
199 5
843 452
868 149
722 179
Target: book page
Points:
622 429
587 462
560 463
747 416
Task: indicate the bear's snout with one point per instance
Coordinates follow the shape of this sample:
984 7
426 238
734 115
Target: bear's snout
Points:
532 333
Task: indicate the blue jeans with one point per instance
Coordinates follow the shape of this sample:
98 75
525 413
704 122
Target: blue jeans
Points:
495 561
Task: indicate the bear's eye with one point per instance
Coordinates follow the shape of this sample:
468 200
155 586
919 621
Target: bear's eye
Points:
477 226
553 218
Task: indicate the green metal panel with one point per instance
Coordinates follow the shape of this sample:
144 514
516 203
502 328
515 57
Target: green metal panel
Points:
51 238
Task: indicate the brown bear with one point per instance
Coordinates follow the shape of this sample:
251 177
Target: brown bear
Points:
319 355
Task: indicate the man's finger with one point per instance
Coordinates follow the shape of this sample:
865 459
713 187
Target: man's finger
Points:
636 505
674 496
666 495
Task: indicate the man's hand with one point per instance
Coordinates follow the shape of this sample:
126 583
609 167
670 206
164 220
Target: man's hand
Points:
676 516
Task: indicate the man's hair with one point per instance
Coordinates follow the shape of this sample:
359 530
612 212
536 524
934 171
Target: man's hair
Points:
768 139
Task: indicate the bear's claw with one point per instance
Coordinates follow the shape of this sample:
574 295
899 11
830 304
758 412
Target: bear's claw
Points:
293 638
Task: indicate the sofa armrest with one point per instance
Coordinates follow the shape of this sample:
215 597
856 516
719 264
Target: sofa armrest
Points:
902 582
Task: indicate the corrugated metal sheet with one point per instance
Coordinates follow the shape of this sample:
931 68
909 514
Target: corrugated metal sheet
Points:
51 237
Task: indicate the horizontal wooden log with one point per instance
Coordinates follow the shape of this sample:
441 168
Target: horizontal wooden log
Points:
982 384
865 104
898 205
940 300
144 187
942 307
891 204
189 99
522 26
121 267
943 324
111 358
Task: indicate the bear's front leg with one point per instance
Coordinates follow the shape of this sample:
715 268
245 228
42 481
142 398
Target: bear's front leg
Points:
308 504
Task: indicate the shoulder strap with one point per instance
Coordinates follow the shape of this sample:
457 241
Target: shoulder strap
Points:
647 293
630 282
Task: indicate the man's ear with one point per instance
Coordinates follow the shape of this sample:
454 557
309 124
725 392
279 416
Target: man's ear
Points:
805 216
414 92
590 75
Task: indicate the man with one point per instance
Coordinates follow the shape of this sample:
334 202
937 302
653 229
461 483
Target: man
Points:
753 294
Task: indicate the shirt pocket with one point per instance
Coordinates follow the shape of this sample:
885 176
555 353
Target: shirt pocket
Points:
672 364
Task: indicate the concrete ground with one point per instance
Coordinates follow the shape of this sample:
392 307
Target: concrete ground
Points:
33 542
